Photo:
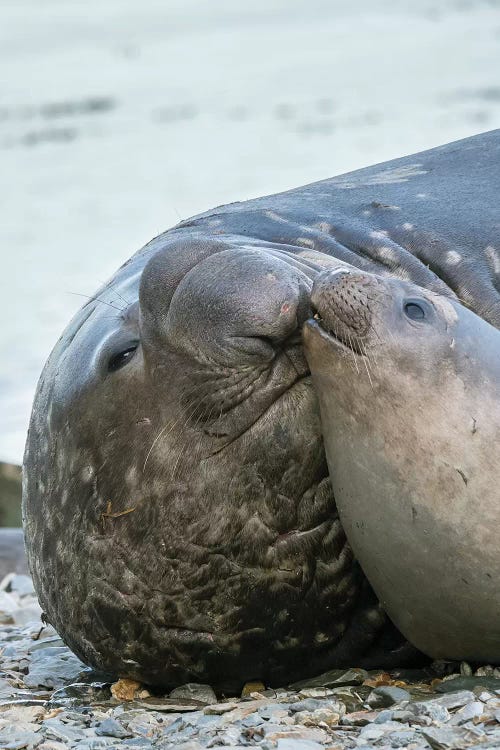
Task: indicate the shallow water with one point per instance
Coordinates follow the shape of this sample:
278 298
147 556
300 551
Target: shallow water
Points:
118 118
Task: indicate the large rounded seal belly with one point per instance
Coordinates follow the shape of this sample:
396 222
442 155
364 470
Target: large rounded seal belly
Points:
409 390
179 519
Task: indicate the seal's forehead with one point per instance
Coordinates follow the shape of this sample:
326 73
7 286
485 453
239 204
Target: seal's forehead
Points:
75 361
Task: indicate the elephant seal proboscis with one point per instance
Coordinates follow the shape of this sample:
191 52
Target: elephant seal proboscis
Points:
179 518
409 389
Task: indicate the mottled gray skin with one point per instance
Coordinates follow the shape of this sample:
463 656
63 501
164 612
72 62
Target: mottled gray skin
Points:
409 388
232 563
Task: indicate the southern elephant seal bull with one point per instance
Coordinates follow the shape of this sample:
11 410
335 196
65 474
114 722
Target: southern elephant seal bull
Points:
179 518
409 388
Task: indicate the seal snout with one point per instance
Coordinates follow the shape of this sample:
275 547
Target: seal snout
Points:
342 300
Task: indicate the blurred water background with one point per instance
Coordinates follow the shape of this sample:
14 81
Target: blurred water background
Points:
118 118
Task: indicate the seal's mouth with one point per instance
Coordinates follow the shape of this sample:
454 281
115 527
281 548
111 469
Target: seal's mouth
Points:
337 337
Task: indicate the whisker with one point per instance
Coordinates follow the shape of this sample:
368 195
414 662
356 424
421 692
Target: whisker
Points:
164 431
352 352
97 299
366 361
115 290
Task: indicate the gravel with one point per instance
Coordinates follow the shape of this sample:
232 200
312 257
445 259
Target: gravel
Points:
49 700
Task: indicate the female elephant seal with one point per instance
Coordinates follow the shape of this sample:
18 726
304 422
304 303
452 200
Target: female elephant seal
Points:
179 519
409 390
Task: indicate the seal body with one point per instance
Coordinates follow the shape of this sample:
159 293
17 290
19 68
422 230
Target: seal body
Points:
179 518
409 390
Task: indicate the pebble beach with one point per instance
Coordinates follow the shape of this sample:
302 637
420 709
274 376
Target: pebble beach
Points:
119 119
50 700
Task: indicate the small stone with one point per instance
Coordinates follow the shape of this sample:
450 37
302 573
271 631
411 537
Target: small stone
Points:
467 683
384 696
194 691
290 743
273 711
486 671
317 717
484 696
53 667
125 690
456 700
384 716
442 666
143 724
56 730
252 720
7 603
252 687
166 705
371 732
404 716
359 718
6 689
18 739
467 713
432 709
22 585
27 613
446 738
311 734
81 693
312 704
23 714
219 708
465 669
45 643
112 728
335 677
405 738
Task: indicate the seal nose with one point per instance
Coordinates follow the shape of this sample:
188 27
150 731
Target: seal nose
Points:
342 301
324 281
231 305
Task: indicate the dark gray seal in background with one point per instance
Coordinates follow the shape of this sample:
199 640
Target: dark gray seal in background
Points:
409 388
179 517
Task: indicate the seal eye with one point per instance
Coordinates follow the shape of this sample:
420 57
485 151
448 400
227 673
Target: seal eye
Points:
117 361
415 310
